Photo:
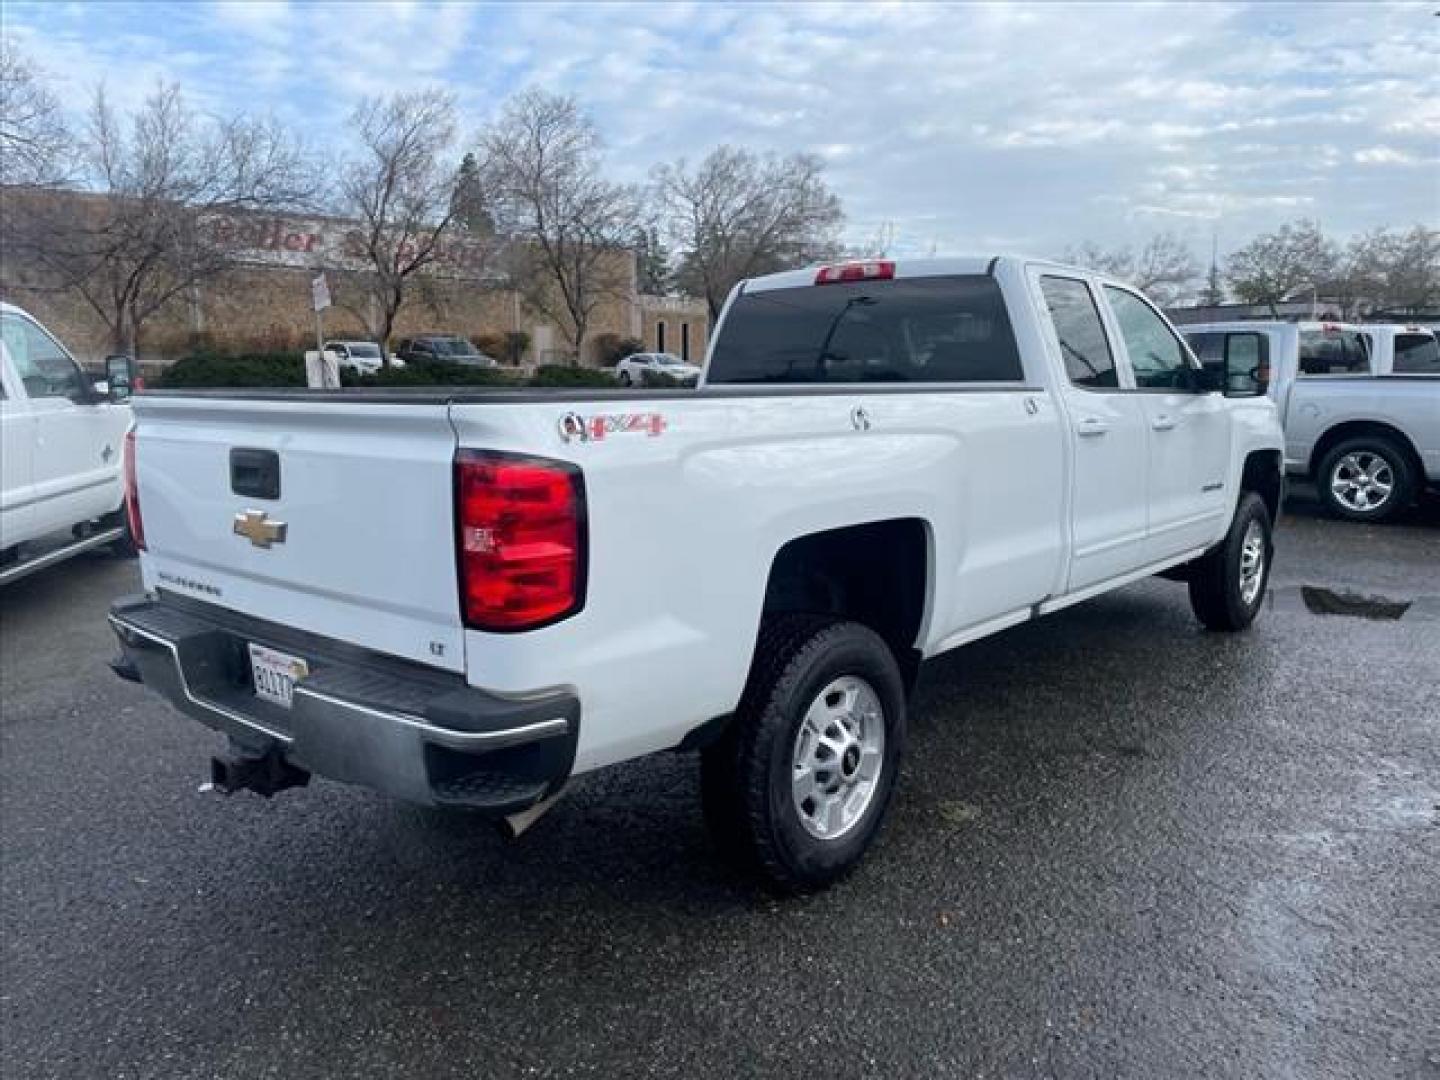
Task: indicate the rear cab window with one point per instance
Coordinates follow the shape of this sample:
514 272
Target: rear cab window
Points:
1416 354
941 329
1334 351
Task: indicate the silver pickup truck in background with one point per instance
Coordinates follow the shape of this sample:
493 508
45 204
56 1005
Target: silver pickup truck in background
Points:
1361 414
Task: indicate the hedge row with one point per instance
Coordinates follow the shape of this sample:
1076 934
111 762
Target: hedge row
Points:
207 370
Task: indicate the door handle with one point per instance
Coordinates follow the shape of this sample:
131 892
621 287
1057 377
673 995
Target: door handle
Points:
1163 423
1092 425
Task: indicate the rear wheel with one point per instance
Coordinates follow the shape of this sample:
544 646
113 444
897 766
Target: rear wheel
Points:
800 782
1227 585
624 378
1365 479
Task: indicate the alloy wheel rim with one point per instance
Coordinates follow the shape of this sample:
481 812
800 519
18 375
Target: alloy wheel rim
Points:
838 757
1252 562
1362 481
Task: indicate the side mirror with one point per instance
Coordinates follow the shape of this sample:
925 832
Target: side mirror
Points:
1247 365
119 377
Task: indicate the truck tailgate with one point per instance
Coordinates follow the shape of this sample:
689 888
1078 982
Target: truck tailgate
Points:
367 550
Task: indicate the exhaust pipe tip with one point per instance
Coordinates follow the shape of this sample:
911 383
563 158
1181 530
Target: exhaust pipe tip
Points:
512 826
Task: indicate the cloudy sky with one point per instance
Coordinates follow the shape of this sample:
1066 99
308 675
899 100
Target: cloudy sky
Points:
1024 126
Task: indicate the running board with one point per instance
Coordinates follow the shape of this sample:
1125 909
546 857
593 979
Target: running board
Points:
60 554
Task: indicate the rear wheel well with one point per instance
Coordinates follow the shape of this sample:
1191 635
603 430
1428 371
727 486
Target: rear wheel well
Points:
1262 475
875 574
1352 429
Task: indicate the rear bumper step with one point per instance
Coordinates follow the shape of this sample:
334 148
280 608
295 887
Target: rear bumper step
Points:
383 723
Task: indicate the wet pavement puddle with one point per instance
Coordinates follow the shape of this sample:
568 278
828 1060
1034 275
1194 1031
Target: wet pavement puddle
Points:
1320 600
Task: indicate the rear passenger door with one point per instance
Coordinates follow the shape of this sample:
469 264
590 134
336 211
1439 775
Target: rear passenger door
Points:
1187 431
1107 433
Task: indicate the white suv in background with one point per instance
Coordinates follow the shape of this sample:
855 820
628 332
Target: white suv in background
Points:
62 442
362 357
631 370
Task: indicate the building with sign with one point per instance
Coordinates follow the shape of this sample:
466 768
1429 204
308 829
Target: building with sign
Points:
261 300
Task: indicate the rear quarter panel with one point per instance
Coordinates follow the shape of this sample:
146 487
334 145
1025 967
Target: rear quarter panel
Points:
684 525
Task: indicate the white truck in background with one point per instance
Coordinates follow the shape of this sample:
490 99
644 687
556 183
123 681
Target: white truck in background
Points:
1360 405
61 448
1402 350
468 596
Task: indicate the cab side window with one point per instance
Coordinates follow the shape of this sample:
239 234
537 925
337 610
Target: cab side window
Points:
1156 355
1088 359
1416 354
1332 351
43 366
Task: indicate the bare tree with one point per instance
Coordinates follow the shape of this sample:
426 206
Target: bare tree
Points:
1358 279
877 245
402 190
1163 269
737 214
147 232
568 226
1113 261
1412 271
34 141
1275 266
1394 269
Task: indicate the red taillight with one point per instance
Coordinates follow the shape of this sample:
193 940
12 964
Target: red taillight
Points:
132 494
520 525
875 270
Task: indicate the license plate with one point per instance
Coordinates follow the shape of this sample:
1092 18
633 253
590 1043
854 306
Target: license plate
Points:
274 674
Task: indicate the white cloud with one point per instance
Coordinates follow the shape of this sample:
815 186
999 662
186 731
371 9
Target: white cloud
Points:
1384 155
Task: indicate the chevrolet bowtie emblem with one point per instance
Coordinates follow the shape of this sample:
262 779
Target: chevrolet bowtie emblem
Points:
256 527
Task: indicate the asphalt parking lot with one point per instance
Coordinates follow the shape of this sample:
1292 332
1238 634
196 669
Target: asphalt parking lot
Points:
1122 847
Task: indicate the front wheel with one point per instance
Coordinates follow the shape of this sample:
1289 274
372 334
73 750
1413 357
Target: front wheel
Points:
624 378
800 782
1365 479
1227 585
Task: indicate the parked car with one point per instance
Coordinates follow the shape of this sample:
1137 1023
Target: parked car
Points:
1402 350
1369 439
884 461
445 348
631 371
363 357
62 450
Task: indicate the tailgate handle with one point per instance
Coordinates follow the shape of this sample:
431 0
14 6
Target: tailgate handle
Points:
254 472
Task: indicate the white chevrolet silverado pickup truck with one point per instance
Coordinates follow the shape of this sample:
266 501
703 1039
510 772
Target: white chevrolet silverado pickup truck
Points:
468 598
1360 405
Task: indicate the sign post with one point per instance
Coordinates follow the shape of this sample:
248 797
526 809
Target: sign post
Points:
322 375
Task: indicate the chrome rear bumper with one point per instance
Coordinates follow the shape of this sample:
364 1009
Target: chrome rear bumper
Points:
384 723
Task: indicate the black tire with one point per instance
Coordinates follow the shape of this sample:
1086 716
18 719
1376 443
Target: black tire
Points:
1217 594
1395 459
746 775
624 378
